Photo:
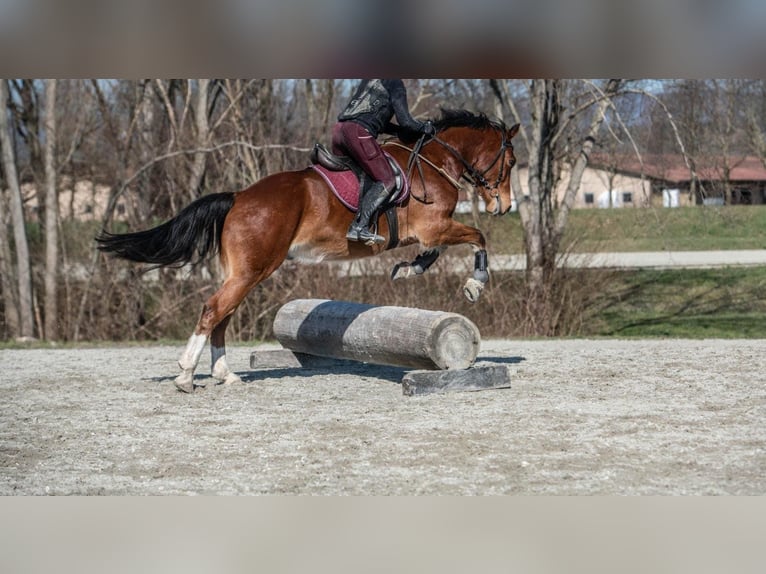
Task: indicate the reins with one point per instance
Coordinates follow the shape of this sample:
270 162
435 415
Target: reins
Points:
473 176
415 159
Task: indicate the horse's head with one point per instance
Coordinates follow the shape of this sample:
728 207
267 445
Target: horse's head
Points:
484 149
493 182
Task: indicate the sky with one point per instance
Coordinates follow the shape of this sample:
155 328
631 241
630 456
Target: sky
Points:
347 38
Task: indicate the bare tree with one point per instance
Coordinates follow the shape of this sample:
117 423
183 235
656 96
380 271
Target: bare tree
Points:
548 138
10 306
51 215
23 265
755 114
202 136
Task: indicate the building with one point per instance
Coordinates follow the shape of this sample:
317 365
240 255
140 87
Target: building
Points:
734 180
82 200
660 180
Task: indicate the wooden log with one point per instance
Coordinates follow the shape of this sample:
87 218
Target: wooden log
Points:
384 335
480 378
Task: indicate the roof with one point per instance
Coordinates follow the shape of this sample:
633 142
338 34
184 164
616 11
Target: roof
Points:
672 167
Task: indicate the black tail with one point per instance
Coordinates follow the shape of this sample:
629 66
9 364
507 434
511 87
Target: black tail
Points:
187 238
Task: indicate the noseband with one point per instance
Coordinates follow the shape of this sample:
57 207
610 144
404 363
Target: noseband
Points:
471 174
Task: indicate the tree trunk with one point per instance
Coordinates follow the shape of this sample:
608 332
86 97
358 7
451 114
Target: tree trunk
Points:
10 299
581 162
51 215
543 217
201 140
536 217
145 120
26 318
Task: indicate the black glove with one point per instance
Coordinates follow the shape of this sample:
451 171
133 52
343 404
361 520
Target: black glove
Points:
428 128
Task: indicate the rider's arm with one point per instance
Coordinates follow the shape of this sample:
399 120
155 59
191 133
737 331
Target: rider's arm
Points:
398 95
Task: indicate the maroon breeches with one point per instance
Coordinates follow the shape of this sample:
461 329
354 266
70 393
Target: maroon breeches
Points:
352 139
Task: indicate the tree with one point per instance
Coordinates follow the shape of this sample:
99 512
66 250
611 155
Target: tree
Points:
755 115
23 266
51 215
10 306
551 138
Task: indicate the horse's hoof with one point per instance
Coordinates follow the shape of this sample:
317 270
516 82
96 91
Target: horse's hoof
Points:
184 383
402 271
231 379
472 290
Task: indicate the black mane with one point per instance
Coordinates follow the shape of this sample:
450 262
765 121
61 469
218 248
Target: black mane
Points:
455 119
466 119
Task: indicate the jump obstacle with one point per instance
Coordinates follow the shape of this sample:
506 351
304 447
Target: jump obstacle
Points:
441 347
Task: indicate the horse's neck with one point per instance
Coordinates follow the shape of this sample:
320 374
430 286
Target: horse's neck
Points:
462 147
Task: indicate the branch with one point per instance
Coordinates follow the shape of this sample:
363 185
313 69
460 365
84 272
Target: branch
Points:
232 102
213 149
500 90
581 163
673 125
160 87
602 95
756 136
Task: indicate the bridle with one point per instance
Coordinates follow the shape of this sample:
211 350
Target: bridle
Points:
471 173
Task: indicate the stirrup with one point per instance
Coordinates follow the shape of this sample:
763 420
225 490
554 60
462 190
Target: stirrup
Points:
364 236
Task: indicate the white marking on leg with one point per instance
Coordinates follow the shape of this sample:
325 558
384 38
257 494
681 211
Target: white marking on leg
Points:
219 366
221 370
215 354
188 362
192 353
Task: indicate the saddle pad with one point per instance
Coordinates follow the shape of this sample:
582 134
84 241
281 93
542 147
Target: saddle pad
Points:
345 185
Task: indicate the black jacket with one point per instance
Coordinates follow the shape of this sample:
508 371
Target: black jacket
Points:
376 102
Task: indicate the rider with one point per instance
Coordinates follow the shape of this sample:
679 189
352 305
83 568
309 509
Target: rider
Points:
369 113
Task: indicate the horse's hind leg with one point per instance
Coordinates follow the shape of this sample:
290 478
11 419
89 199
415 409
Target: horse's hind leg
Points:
419 265
219 367
214 318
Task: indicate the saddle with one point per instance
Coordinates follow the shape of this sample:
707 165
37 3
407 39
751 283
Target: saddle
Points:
346 178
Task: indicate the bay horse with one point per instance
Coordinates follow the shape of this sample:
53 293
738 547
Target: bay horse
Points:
294 215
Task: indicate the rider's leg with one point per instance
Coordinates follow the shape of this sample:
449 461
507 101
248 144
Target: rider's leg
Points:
371 200
362 146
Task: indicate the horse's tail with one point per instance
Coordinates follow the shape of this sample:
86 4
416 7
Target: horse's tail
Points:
187 238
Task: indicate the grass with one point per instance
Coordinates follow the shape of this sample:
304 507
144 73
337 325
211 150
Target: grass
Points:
689 303
651 229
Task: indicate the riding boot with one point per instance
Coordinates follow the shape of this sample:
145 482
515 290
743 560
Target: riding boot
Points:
369 203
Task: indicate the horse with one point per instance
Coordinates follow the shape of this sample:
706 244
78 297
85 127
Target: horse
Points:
293 215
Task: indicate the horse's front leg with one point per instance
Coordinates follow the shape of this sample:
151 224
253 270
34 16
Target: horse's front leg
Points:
475 285
419 265
455 233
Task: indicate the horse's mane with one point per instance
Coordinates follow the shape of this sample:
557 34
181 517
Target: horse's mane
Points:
464 118
452 118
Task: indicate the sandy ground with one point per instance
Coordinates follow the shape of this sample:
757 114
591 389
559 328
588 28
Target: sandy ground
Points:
582 417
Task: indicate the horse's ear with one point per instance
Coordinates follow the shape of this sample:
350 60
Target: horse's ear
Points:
513 131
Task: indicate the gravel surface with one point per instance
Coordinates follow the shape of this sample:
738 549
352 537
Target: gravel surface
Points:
582 417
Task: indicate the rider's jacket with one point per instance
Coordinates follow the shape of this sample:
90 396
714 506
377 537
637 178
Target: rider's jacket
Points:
375 102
